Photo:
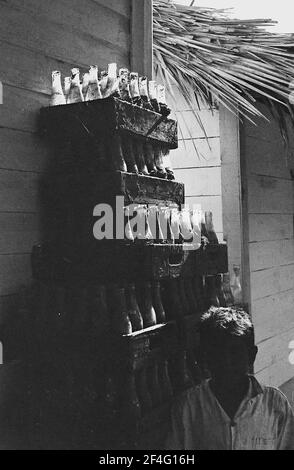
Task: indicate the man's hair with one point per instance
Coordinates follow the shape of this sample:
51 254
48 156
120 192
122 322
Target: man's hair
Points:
226 321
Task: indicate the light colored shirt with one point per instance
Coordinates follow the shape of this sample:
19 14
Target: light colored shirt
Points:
264 420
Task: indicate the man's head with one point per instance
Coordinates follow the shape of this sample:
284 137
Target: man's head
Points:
227 342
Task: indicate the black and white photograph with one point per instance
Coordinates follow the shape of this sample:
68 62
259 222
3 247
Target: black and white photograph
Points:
146 228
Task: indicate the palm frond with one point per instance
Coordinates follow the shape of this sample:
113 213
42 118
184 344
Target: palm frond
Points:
231 61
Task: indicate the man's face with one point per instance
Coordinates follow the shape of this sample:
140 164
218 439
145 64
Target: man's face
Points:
228 358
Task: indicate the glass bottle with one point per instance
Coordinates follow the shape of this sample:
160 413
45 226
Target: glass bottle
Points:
133 309
67 85
128 153
57 95
157 303
186 226
134 89
120 320
236 285
211 235
167 162
149 159
115 152
109 82
128 230
85 84
196 226
124 89
93 89
143 90
175 224
158 158
161 98
139 156
75 93
152 89
147 309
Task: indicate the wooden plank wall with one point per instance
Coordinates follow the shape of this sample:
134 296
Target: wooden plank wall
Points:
197 161
271 244
36 37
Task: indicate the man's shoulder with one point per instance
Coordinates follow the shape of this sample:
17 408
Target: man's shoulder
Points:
275 397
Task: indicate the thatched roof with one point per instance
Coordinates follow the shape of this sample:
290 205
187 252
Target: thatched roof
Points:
233 61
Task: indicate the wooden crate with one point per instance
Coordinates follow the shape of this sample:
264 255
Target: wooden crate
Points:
100 117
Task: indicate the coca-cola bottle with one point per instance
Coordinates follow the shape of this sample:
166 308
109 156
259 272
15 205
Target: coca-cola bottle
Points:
67 85
236 285
85 84
128 153
186 226
196 226
134 89
211 235
139 156
124 88
75 93
158 157
161 98
109 83
93 90
120 320
57 95
152 89
133 309
128 229
147 309
149 159
143 89
143 391
167 162
115 152
157 303
175 224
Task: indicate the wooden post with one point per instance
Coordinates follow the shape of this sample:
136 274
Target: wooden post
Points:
141 37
